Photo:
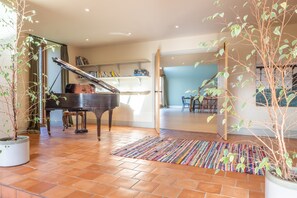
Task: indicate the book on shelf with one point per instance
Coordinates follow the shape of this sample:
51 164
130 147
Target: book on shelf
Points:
104 74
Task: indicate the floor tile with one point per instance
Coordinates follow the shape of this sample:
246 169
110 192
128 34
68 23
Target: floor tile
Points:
255 186
26 183
202 177
102 189
209 187
23 170
83 185
123 193
22 194
144 168
79 194
106 178
186 183
235 192
191 194
127 173
253 194
89 175
164 179
128 165
58 192
145 186
8 192
40 187
145 176
167 191
125 182
147 195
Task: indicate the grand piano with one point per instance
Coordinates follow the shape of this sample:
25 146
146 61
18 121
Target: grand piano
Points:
95 102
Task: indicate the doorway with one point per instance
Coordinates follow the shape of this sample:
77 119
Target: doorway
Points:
181 78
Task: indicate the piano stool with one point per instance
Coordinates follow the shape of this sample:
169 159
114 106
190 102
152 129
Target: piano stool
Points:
82 114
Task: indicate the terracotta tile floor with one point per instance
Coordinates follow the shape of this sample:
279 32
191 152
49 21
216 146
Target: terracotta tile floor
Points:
77 165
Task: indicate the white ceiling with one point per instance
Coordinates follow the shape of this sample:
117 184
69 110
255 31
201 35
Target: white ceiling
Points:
66 21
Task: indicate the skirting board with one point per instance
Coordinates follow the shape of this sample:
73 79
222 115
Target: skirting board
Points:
261 132
124 123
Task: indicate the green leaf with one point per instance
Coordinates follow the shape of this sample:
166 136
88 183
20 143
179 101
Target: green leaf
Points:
217 171
284 5
235 30
221 52
245 17
278 172
289 162
209 118
261 88
226 152
275 6
242 159
201 98
272 15
231 158
263 162
239 78
248 57
277 31
226 75
290 98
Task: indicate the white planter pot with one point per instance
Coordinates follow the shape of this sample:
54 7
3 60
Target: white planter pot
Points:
276 187
14 153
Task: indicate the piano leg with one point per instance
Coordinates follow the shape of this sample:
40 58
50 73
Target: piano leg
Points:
98 113
48 118
109 119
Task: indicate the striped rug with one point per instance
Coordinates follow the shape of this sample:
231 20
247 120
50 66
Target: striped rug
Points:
204 154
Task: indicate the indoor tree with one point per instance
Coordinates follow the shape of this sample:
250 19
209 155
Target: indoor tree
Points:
16 54
262 54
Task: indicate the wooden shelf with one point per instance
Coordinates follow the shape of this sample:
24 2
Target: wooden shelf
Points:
117 62
135 92
123 77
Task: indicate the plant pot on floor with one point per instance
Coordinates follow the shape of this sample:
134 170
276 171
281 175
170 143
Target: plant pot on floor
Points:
276 187
14 152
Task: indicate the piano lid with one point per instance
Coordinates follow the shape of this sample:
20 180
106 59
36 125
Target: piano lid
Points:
85 75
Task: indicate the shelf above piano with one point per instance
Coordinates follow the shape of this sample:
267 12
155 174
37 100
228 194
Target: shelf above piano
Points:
124 77
136 61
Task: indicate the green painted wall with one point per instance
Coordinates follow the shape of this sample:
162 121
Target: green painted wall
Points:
182 78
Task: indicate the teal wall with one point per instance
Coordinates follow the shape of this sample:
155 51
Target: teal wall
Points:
182 78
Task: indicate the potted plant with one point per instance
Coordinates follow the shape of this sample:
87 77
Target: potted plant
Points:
14 87
262 57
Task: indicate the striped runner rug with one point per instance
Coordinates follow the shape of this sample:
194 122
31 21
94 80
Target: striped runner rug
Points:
204 154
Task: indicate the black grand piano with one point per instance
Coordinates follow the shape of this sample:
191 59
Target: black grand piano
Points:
95 102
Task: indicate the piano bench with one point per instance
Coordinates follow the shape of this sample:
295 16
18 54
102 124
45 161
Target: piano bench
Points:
66 115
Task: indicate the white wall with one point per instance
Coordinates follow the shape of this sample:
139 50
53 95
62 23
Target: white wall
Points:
141 116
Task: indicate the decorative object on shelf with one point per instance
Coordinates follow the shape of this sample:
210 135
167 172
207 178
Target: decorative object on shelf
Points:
93 73
80 60
141 72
